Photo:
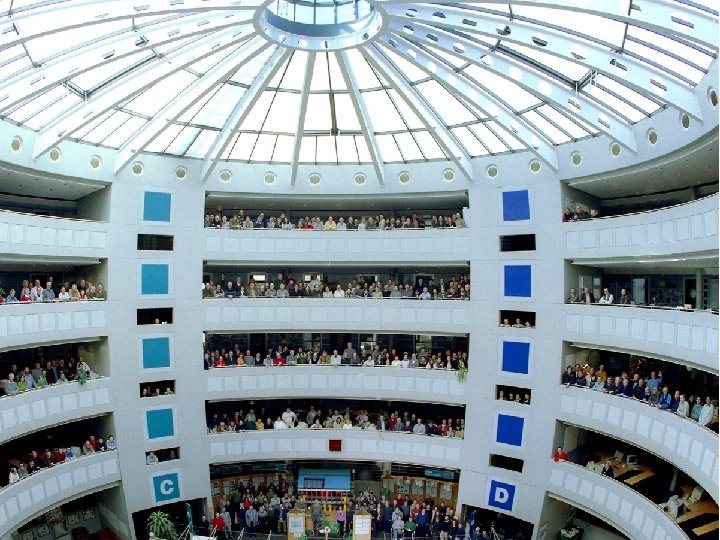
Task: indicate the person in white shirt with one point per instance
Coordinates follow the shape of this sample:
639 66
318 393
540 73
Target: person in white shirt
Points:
607 297
706 413
279 424
13 476
335 359
63 294
339 292
288 417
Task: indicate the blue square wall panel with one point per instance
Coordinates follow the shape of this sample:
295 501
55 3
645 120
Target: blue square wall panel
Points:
156 206
159 423
154 279
510 429
518 279
156 352
516 205
516 357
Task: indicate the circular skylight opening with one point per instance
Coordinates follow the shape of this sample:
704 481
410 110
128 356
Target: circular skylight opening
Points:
269 178
360 178
652 136
448 175
137 168
535 165
55 154
615 149
404 177
314 179
95 162
713 97
685 120
225 175
576 158
320 25
16 144
180 173
492 171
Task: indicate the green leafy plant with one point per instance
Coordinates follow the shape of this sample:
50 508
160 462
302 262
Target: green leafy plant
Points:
461 372
160 525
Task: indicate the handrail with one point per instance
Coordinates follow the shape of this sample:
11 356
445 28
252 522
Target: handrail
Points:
99 471
649 306
598 503
81 220
645 211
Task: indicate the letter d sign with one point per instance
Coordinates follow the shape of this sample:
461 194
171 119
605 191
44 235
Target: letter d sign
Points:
166 487
501 495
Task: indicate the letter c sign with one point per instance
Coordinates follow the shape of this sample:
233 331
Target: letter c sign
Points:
501 495
166 487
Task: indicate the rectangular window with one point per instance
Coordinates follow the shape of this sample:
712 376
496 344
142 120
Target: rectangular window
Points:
157 388
155 316
155 242
505 462
517 319
517 242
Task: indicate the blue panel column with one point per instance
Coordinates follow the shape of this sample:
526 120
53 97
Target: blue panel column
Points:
516 357
154 279
157 206
518 280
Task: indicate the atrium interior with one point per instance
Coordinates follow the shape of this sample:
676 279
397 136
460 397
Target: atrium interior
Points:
530 188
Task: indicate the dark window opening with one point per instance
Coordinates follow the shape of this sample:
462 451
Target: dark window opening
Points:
157 388
505 462
155 242
513 393
164 454
155 316
517 319
517 242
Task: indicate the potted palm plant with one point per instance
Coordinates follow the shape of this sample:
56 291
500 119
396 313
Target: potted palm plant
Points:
160 527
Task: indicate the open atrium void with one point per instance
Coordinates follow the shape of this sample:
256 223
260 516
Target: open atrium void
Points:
451 252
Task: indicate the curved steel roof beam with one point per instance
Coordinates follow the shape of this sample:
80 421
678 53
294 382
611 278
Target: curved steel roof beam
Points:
363 116
92 12
518 73
459 83
430 118
697 25
183 101
302 112
622 68
126 88
63 68
242 109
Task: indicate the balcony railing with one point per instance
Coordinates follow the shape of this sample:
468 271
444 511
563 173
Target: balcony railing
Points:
27 325
687 228
612 501
686 444
395 383
690 338
35 410
355 445
51 487
339 314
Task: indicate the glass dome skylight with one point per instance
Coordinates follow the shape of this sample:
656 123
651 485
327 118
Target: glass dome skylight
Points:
319 24
414 82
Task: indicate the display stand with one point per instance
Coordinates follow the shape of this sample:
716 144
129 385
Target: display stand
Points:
362 525
295 524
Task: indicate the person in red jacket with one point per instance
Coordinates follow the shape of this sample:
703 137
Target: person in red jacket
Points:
218 523
560 455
